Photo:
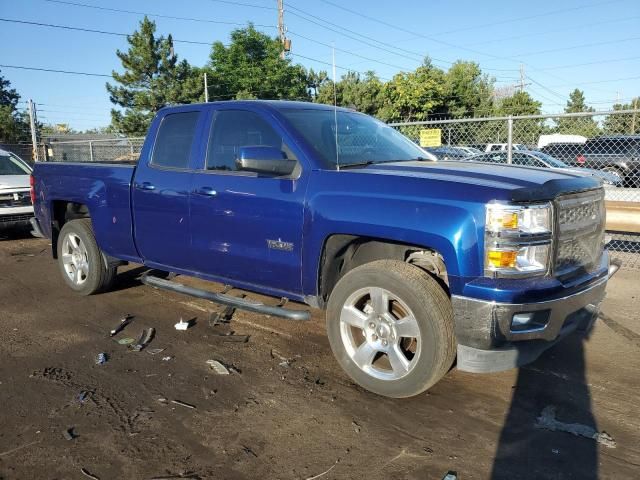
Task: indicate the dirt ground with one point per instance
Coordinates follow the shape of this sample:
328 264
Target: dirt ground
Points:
287 411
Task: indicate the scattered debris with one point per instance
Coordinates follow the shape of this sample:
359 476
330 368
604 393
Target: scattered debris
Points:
145 338
217 367
87 473
555 451
102 358
183 325
248 451
183 404
356 427
166 359
548 421
155 351
283 302
450 476
323 473
126 341
163 400
232 337
69 434
124 321
82 396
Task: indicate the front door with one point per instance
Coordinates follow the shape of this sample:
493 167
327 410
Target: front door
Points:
247 227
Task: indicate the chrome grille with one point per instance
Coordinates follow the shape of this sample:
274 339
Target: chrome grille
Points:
580 224
17 199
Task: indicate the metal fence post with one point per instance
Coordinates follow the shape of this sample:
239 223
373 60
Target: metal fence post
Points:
510 140
91 150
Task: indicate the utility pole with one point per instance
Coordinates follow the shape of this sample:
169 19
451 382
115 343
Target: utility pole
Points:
33 122
282 31
522 77
206 89
633 116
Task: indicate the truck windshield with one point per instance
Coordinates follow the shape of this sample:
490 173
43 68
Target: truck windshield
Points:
12 166
361 139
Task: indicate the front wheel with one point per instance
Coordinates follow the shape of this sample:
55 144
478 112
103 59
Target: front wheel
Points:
390 326
81 262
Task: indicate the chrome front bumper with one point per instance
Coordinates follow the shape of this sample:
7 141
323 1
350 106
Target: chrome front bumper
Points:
487 321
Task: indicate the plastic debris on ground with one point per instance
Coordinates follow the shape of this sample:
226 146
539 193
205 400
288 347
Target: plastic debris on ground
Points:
155 351
126 341
183 404
166 359
145 338
124 321
68 434
184 324
217 367
101 359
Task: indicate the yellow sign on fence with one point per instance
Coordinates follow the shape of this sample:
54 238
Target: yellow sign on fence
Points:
430 137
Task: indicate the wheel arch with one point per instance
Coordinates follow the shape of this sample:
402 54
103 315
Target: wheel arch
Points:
342 253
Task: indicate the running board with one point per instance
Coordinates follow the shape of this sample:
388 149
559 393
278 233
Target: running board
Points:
240 303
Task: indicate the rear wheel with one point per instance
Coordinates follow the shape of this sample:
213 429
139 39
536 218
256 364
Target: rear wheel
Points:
81 261
390 326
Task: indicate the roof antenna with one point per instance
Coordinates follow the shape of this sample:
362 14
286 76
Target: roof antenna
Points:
335 103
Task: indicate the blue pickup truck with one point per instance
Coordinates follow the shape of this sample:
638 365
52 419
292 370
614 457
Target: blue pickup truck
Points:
418 263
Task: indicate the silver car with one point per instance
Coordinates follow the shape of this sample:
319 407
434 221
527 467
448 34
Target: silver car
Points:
16 209
533 158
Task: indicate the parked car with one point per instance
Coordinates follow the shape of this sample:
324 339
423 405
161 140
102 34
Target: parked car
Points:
497 147
471 150
447 152
16 209
416 262
533 158
619 154
570 153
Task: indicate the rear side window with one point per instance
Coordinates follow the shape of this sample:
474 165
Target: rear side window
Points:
174 140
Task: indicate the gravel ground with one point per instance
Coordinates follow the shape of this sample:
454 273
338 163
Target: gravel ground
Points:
286 410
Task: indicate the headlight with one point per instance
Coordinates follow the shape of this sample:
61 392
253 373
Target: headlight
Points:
517 239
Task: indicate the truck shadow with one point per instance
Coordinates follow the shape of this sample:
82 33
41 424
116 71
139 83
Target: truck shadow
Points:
553 389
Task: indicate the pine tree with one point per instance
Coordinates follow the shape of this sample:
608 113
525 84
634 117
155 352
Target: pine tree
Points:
153 78
585 126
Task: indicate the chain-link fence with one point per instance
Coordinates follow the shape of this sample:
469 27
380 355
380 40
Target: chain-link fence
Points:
23 150
605 145
109 150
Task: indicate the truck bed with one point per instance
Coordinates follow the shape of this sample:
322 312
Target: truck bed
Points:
106 190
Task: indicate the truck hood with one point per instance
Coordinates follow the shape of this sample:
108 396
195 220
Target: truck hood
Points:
523 183
13 182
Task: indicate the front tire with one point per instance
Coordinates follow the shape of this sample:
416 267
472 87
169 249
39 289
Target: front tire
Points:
82 264
390 326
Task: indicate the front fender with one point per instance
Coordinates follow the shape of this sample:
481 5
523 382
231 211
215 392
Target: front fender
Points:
449 227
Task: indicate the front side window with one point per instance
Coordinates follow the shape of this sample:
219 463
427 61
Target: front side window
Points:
233 129
174 140
526 160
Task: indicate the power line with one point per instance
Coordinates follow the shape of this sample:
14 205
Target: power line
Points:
599 81
88 74
156 15
89 30
584 45
597 62
529 17
242 4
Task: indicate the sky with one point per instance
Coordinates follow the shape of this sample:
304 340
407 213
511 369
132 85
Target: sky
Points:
562 44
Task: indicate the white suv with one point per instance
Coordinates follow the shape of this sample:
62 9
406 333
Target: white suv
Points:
15 200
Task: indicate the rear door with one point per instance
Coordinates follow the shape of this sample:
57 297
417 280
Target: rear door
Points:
247 227
161 190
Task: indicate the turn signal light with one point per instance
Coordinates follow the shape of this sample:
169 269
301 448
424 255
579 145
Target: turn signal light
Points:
502 259
32 189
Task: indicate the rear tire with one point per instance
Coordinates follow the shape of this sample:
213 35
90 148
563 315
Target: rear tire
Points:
390 326
82 263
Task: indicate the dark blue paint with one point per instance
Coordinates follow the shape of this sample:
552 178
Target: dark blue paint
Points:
223 237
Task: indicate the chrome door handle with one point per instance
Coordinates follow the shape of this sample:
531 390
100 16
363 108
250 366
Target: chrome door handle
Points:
206 191
146 186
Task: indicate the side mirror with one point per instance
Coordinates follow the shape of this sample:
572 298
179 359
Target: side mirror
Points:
265 160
